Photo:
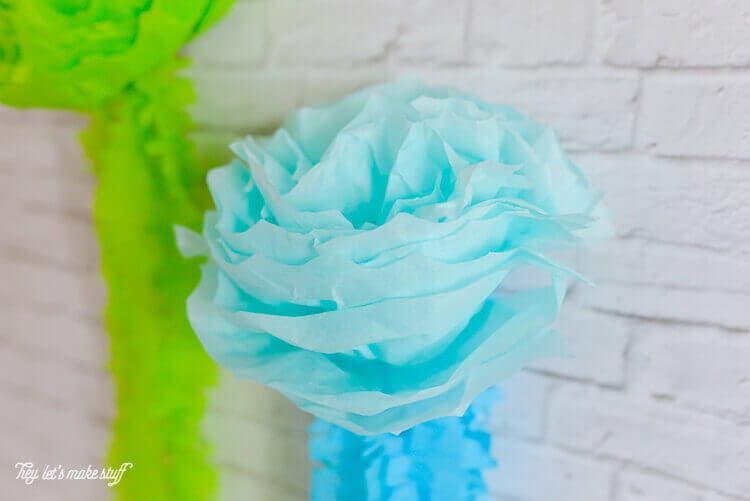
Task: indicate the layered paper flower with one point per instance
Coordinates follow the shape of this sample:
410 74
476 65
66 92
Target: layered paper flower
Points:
356 256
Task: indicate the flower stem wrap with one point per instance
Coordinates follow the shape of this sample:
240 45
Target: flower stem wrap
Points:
116 59
440 460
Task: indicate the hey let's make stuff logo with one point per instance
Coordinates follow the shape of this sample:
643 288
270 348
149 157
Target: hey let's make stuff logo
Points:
29 473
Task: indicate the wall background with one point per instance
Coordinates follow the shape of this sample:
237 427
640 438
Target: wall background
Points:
651 97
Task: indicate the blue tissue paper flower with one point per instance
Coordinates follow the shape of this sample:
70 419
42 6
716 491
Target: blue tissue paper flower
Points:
359 256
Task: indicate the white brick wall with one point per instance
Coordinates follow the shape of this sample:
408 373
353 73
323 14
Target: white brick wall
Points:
528 32
675 33
652 97
55 394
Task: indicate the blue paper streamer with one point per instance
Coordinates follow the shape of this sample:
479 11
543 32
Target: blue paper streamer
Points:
439 460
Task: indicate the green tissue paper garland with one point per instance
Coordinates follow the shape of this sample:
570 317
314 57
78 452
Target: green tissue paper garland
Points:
117 60
145 168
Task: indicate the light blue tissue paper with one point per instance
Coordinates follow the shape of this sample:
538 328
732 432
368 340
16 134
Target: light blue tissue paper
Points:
439 460
358 257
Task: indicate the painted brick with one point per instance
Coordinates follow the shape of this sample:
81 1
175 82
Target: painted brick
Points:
321 85
56 382
665 264
637 486
677 201
529 32
597 342
700 449
696 116
590 111
43 142
704 369
251 447
340 33
258 404
432 30
521 410
242 100
239 39
234 484
536 473
332 32
724 309
676 33
36 289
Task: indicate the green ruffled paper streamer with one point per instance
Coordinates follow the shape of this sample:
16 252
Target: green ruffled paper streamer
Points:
146 169
117 60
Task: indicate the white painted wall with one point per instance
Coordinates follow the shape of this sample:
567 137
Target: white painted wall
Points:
652 98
